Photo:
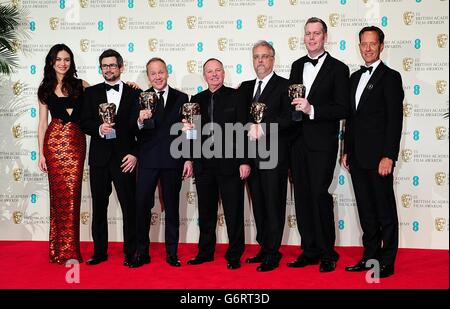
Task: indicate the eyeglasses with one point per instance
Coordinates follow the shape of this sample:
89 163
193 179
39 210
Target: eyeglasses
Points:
263 57
109 66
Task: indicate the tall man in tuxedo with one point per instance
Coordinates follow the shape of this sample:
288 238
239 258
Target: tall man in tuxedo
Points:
220 177
111 159
268 185
315 145
157 164
371 146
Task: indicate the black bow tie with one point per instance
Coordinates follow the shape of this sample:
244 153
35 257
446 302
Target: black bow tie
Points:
364 69
109 87
314 61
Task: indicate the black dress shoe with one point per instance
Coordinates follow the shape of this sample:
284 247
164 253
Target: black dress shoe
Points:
173 260
234 264
327 266
267 266
199 260
302 261
96 260
360 266
255 259
140 260
127 262
386 271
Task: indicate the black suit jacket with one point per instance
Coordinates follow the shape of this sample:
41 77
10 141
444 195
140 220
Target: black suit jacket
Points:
373 131
154 144
329 94
277 102
101 150
227 109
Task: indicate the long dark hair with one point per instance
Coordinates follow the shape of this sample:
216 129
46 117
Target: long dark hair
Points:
71 85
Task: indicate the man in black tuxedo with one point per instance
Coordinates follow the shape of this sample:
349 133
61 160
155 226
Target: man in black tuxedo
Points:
268 184
315 145
220 177
157 164
371 146
112 155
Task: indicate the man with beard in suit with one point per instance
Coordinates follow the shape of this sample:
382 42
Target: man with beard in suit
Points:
268 182
156 164
371 146
112 155
315 145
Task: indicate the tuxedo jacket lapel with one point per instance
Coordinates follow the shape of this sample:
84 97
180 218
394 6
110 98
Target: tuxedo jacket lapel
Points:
125 94
374 79
320 75
353 90
268 88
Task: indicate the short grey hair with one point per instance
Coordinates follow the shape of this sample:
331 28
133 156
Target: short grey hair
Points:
263 43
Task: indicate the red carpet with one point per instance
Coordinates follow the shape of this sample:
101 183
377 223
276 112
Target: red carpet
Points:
24 265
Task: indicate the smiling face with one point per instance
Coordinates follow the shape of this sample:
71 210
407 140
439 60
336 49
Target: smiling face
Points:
315 38
62 63
157 75
110 69
263 60
214 74
370 47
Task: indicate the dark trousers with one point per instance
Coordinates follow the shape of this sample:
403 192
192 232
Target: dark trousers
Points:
147 181
268 189
212 186
377 212
312 174
101 188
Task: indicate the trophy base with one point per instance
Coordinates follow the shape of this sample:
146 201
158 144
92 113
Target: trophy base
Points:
149 123
191 134
296 116
111 135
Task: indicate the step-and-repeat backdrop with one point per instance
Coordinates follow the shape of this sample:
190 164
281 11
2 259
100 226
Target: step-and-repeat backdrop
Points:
186 33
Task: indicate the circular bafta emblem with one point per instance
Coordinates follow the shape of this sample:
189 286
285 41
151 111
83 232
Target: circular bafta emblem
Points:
293 2
222 2
154 218
17 131
152 3
221 219
407 155
16 45
407 64
293 43
406 200
17 88
334 19
191 22
407 109
440 178
84 217
442 40
84 45
408 18
441 86
191 64
439 224
54 22
440 132
122 22
17 217
292 221
261 21
222 43
152 44
84 3
190 197
18 174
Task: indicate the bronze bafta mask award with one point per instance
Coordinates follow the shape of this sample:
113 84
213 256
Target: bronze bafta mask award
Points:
148 101
257 111
296 91
190 112
107 112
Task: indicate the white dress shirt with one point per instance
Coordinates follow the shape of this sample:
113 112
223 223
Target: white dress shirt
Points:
265 80
309 75
113 96
365 77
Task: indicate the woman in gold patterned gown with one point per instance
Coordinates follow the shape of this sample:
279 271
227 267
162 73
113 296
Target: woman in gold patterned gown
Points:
62 150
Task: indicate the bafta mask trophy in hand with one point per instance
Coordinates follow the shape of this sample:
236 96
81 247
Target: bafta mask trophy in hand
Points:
257 111
190 111
148 101
107 112
296 91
